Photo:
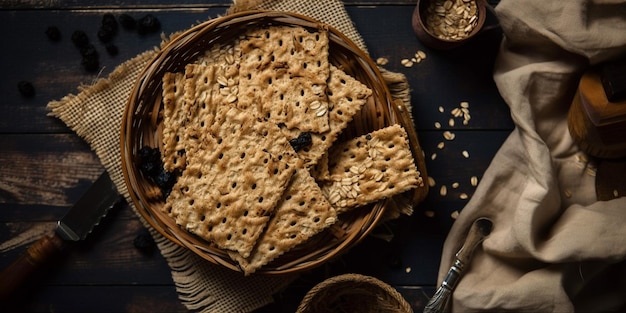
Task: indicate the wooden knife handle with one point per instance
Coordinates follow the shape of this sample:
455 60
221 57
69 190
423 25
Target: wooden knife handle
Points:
37 255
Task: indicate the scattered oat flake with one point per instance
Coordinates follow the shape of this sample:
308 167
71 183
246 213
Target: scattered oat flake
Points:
454 215
407 270
421 54
433 156
455 185
463 196
437 125
443 190
568 193
448 135
441 109
451 122
441 145
464 104
431 182
474 181
591 172
615 193
382 61
406 62
465 154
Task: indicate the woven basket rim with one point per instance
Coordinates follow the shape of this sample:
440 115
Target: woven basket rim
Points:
145 87
338 283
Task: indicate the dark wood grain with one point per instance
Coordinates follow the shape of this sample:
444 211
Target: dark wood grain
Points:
46 167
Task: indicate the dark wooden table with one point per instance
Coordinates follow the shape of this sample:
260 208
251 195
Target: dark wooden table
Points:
44 167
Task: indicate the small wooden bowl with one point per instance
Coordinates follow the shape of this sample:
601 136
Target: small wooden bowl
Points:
431 40
141 126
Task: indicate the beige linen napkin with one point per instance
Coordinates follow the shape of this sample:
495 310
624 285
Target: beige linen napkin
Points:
95 114
554 247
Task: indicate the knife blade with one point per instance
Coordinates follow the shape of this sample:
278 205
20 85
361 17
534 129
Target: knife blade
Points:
76 225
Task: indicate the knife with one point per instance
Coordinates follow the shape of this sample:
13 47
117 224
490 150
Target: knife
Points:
74 226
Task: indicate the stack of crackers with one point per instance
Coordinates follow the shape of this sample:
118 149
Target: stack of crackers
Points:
230 121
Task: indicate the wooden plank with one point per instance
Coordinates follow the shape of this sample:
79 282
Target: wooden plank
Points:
443 79
54 67
45 169
104 299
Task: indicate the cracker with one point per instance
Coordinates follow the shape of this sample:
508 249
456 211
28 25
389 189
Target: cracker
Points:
174 121
282 76
233 180
207 88
369 168
346 96
302 212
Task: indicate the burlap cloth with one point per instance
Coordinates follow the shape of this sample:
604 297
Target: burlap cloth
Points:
554 247
95 114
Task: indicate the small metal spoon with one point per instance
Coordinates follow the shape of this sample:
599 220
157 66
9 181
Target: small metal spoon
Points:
480 229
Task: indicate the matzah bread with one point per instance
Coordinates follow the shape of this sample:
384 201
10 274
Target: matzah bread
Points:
370 168
346 97
302 212
227 123
175 118
233 180
283 74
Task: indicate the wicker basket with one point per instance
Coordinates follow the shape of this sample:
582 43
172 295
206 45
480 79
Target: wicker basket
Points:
141 127
353 293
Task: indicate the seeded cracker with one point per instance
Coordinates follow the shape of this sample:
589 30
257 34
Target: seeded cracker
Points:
346 97
174 120
369 168
302 212
233 180
283 74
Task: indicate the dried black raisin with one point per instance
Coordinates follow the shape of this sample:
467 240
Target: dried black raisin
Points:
150 161
302 141
151 166
127 21
90 60
105 34
80 39
111 49
144 242
148 24
166 180
109 22
26 89
53 33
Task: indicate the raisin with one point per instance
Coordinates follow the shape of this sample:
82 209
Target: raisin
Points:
53 33
90 60
105 34
111 49
302 141
150 161
110 23
166 180
80 39
127 21
148 24
26 89
151 166
144 242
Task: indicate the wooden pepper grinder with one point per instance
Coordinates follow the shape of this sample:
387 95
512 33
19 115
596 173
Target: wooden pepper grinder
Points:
597 123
